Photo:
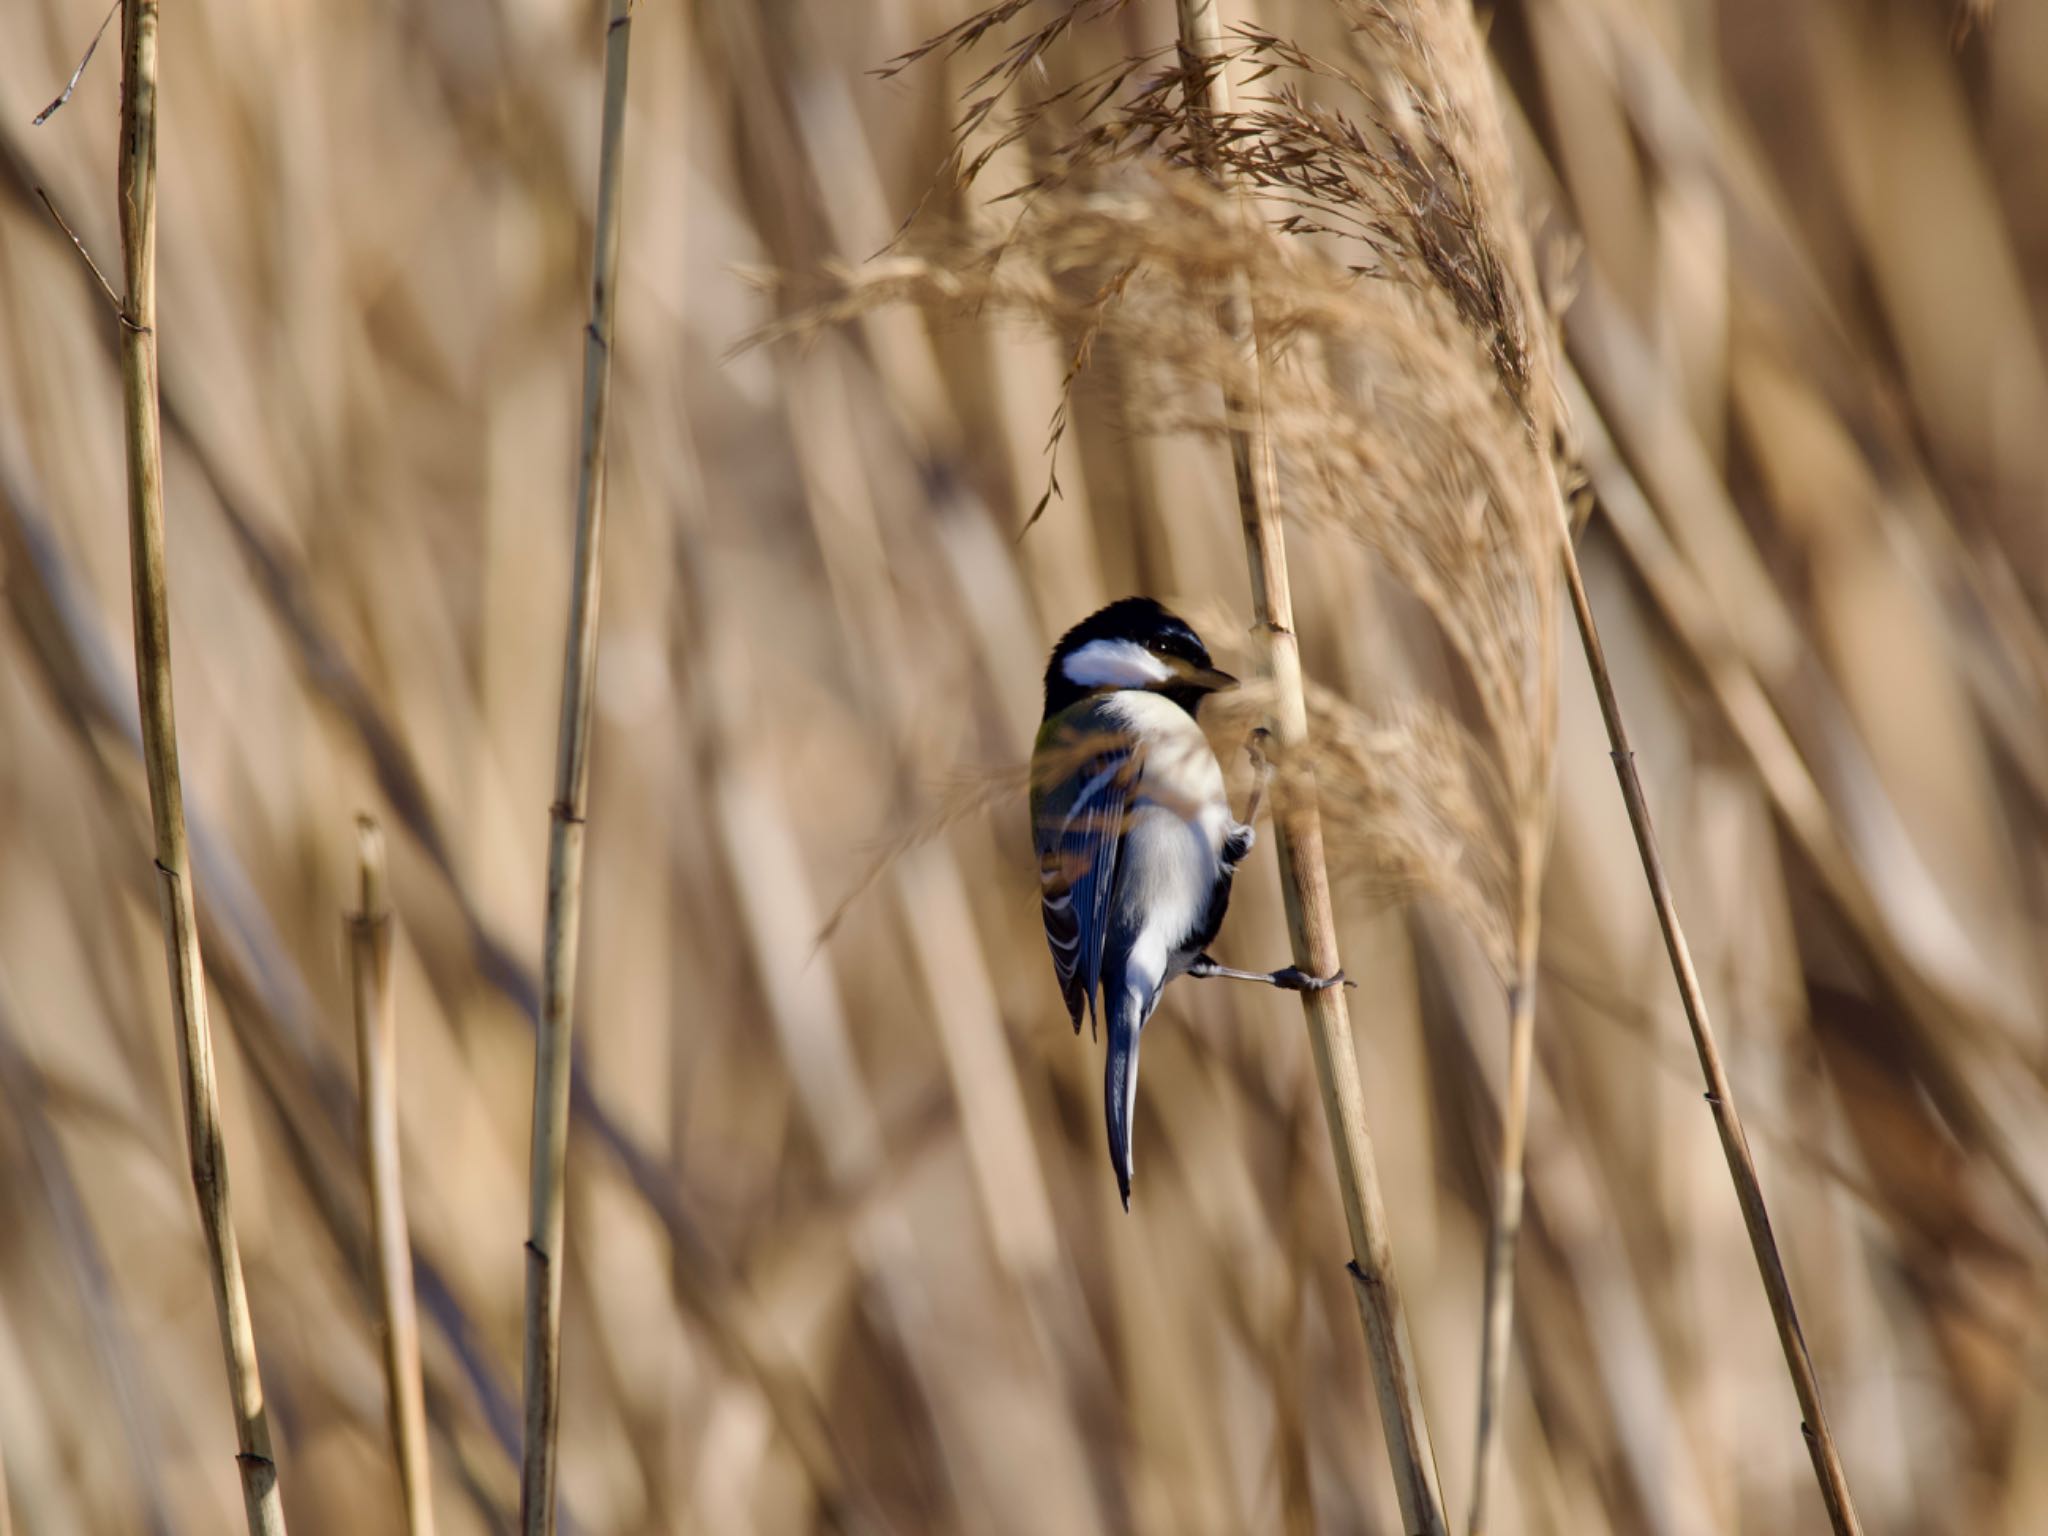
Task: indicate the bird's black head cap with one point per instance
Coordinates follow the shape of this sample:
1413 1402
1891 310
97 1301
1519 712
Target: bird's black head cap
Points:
1143 622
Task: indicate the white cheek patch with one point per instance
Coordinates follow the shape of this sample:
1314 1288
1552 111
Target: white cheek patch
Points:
1115 664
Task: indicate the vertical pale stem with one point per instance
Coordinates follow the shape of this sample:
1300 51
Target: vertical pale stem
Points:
1498 1312
376 1019
1497 1315
543 1367
1306 883
144 441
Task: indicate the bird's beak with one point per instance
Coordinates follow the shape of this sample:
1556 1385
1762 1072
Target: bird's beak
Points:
1209 679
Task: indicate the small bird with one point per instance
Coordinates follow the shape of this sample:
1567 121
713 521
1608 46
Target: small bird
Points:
1136 842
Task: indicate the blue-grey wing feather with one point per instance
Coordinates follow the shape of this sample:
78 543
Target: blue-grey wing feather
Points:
1079 829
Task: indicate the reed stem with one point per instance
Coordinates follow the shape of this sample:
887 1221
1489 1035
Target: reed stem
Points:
1498 1308
552 1057
1820 1440
1305 882
143 434
376 1019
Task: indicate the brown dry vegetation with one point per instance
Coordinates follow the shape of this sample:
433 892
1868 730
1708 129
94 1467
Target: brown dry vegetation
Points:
842 1246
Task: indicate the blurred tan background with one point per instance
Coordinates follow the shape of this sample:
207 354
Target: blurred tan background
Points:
1807 257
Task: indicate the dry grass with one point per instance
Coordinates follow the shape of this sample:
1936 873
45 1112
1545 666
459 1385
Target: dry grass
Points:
841 1247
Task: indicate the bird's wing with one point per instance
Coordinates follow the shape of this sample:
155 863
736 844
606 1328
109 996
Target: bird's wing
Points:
1084 771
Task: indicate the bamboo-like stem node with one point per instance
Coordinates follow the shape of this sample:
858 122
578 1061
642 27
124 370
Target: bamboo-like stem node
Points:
206 1152
553 1056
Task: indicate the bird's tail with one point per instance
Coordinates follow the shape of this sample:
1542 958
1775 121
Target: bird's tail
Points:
1120 1082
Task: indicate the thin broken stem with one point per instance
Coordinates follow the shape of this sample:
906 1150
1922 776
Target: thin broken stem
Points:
77 74
552 1057
376 1020
1305 882
106 288
136 181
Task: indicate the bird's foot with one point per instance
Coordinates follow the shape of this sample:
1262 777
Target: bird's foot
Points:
1295 979
1292 979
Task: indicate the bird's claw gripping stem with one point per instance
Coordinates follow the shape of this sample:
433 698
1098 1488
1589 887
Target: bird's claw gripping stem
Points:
1295 979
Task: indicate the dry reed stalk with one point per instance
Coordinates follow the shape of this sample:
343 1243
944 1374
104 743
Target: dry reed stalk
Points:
1305 880
1504 1232
205 1146
376 1019
1497 1309
552 1054
1750 687
1819 1437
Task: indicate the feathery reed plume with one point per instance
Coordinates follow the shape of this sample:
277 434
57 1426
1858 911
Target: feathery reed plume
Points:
376 1020
205 1146
552 1054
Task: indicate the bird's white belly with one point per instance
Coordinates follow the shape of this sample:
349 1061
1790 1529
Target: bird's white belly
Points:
1181 774
1169 873
1173 846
